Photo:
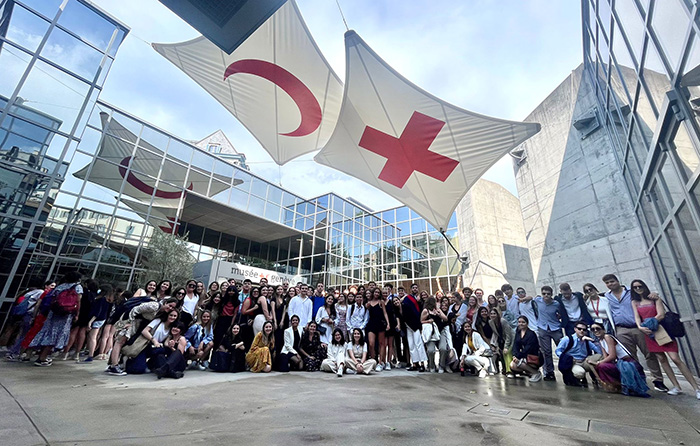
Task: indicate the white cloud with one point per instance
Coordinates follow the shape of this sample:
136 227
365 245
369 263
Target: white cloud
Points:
499 58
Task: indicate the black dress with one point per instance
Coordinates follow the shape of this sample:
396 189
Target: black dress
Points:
391 331
376 323
237 354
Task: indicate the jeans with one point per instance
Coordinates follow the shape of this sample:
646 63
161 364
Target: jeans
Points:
546 337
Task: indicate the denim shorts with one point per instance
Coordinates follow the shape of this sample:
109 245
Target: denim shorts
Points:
97 324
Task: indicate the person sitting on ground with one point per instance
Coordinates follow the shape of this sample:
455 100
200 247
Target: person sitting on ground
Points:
356 360
289 357
311 349
506 314
169 360
259 358
335 360
573 350
230 356
473 350
649 313
526 351
200 341
616 370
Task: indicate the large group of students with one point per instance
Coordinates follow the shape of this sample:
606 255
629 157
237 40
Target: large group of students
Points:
366 329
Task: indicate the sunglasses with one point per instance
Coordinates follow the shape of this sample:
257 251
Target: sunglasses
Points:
638 287
581 328
180 294
597 329
587 290
191 285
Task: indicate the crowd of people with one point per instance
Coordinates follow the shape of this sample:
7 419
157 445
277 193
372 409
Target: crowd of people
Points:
236 327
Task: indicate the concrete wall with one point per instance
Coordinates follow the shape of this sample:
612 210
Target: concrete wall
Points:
576 210
491 229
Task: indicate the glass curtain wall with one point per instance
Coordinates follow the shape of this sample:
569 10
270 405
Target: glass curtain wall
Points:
54 62
643 57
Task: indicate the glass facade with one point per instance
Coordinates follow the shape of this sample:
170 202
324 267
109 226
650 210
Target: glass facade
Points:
127 179
54 61
643 58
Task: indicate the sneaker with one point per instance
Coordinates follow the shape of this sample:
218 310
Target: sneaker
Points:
87 360
350 372
43 363
441 370
205 364
201 367
660 386
115 370
421 368
11 358
550 377
387 366
449 369
697 394
25 357
675 391
339 373
536 377
378 368
483 373
511 376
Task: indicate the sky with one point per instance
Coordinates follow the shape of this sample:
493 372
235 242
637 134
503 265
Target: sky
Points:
498 58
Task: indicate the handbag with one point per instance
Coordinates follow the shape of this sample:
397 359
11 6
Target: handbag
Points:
672 323
132 350
533 360
321 329
488 353
436 333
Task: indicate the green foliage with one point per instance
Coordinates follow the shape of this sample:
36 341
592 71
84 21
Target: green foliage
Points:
167 257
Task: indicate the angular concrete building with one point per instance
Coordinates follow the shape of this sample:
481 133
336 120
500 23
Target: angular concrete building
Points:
576 210
491 231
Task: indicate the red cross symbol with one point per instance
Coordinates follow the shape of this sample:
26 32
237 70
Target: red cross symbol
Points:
409 153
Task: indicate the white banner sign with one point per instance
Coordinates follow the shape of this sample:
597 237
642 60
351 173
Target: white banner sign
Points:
220 270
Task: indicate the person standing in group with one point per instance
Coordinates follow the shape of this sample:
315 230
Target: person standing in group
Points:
99 312
341 315
56 330
430 332
548 328
649 314
501 341
318 299
511 300
377 324
527 307
189 303
325 317
280 318
575 309
626 330
597 306
302 306
411 314
511 318
456 316
358 315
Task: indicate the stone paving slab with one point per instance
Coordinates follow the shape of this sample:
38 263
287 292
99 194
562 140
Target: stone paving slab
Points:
628 432
565 421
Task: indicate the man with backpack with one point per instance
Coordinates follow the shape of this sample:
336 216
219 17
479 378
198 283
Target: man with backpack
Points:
572 351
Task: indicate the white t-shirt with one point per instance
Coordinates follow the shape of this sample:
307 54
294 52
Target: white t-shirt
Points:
357 350
189 304
158 330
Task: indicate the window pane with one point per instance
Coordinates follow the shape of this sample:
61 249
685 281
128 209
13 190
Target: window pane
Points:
26 28
670 22
633 26
13 62
87 24
72 54
687 155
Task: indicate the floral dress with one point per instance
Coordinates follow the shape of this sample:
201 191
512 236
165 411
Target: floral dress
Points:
56 329
341 312
313 348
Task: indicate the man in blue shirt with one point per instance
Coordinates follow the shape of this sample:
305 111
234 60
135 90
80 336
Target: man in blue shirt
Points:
548 328
572 351
575 309
621 315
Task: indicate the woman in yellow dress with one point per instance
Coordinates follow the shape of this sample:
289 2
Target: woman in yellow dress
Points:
259 358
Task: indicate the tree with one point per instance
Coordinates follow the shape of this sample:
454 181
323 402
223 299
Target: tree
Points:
167 257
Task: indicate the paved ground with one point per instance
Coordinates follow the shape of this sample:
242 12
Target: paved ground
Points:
77 404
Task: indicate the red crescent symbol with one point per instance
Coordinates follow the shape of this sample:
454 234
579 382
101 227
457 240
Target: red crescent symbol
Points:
301 95
143 187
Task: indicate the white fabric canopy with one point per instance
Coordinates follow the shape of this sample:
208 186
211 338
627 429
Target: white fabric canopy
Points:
277 83
417 148
116 161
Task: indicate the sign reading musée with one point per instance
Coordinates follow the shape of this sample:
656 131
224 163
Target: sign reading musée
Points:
219 270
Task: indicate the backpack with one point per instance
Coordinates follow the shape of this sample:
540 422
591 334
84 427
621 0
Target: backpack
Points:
45 305
66 302
21 308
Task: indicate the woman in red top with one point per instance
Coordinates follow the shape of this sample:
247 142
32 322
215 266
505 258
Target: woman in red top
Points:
646 308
